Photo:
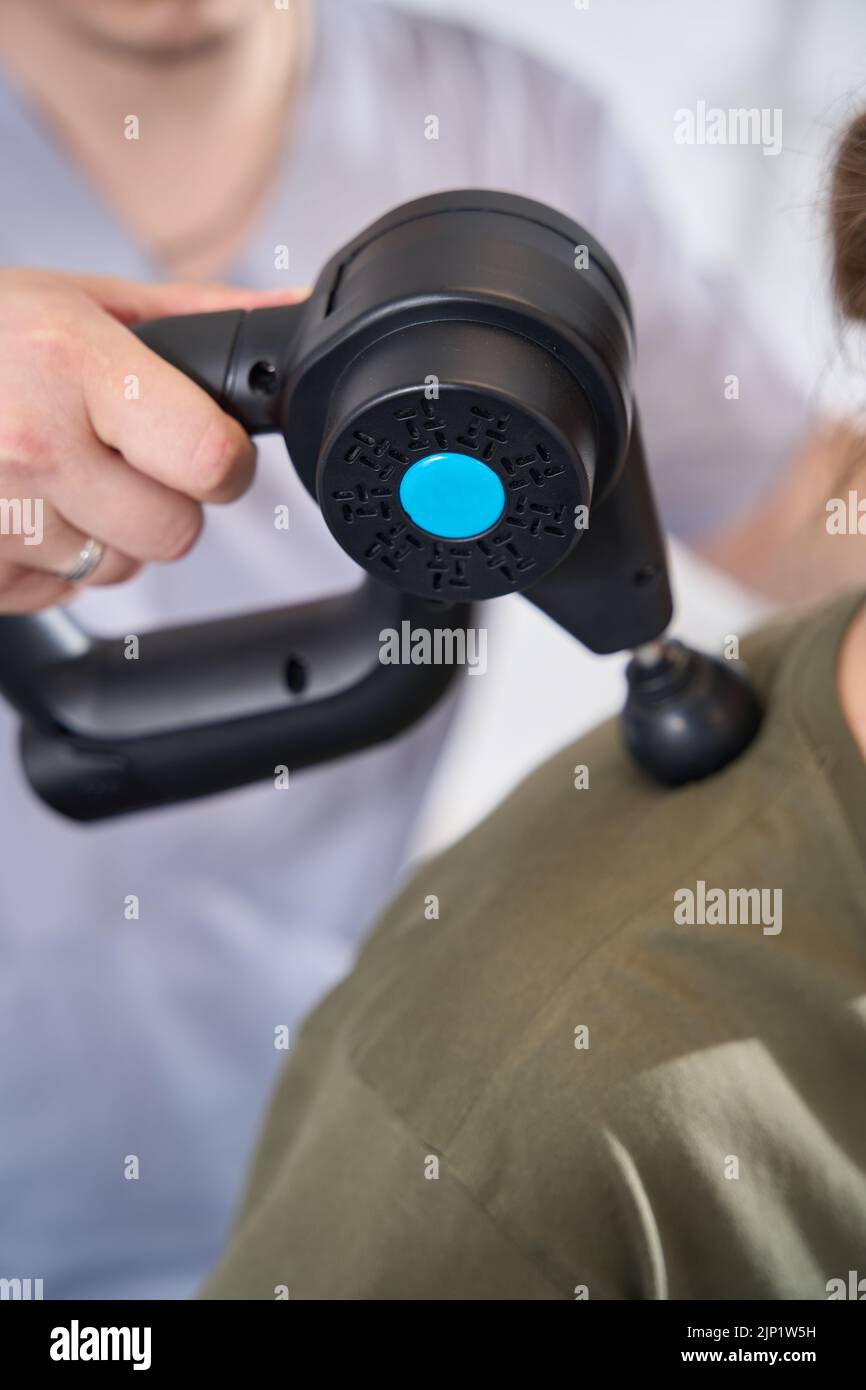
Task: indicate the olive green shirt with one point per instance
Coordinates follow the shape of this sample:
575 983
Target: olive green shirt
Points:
606 1068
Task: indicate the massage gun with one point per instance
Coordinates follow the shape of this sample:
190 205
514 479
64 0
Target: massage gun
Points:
456 394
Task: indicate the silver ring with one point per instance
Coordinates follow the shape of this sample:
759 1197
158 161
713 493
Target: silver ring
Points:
89 557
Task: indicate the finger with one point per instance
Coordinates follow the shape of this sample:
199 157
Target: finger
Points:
131 301
99 493
55 549
166 427
113 568
27 591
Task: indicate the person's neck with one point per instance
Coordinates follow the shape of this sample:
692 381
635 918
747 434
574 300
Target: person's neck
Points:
851 679
211 121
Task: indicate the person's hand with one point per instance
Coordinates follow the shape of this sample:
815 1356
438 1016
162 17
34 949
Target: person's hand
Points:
100 439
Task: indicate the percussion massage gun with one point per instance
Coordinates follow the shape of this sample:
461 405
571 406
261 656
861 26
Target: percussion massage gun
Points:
456 394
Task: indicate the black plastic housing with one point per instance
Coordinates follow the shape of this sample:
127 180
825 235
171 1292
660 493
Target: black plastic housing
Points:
524 324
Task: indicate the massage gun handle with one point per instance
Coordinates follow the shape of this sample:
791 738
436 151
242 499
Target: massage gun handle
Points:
240 358
189 711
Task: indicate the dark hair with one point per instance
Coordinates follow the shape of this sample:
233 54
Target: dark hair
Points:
848 220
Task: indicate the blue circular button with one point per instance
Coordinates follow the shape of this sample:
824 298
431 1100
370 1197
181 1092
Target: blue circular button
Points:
452 495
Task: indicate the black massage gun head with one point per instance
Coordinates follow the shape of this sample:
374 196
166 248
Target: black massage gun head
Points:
456 462
475 394
455 393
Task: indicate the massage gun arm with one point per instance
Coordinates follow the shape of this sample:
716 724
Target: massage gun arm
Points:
612 592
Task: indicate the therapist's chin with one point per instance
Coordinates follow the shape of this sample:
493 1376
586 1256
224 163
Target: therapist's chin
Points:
158 31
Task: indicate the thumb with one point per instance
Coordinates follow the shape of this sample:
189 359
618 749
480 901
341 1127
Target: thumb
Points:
131 301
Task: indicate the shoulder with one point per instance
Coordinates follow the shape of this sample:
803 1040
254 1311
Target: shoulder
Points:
567 894
558 927
604 1089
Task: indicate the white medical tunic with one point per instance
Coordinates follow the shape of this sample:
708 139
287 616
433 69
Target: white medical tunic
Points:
153 1039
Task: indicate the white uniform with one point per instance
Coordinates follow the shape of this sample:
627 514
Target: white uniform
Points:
155 1037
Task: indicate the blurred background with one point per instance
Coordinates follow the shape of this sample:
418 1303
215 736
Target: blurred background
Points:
760 217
